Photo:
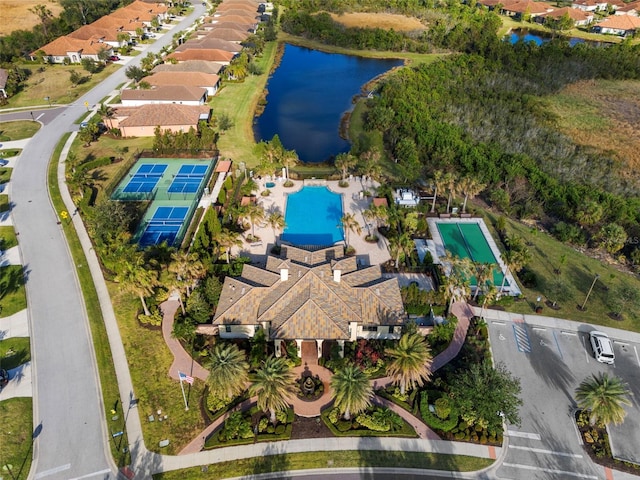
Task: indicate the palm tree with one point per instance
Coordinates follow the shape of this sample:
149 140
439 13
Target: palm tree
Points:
350 224
470 187
401 245
228 371
343 162
273 383
351 390
253 214
188 269
289 158
452 187
410 364
136 279
228 239
484 276
514 261
377 213
276 221
438 184
604 397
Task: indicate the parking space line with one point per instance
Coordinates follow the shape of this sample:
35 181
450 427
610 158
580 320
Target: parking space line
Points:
530 436
40 116
637 358
498 323
586 355
555 337
522 338
549 470
547 452
573 334
539 329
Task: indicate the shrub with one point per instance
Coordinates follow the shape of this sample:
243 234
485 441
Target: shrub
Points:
433 421
280 429
281 416
271 429
215 403
372 423
155 319
343 184
263 424
343 425
443 408
288 184
334 415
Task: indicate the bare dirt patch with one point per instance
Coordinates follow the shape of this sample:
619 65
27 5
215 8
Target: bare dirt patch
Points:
387 21
16 14
603 114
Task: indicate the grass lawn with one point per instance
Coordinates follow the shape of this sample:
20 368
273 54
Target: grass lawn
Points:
4 202
16 418
14 352
17 130
12 294
5 174
8 236
54 81
577 273
239 102
149 361
10 152
108 380
340 459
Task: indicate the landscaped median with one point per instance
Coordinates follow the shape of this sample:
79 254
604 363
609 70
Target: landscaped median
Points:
338 459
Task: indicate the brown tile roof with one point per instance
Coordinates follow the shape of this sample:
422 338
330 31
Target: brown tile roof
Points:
528 6
223 166
310 303
232 25
195 79
169 93
228 34
246 6
210 43
575 14
190 66
380 202
626 7
241 19
161 114
202 54
61 45
588 3
621 22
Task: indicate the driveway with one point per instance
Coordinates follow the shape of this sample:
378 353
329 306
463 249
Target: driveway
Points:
551 357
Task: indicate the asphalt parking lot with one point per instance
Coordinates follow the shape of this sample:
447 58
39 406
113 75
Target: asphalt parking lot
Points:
551 362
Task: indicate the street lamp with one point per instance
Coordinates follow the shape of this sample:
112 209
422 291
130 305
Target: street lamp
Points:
589 292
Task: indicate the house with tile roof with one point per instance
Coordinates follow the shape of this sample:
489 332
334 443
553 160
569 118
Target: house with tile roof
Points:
228 34
209 81
623 25
249 27
210 43
74 49
579 17
4 76
590 5
179 94
210 55
142 121
523 8
190 66
631 8
251 7
318 297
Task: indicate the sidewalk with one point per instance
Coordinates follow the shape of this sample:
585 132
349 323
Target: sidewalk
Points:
16 325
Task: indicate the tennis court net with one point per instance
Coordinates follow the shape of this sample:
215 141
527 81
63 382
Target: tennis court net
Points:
155 221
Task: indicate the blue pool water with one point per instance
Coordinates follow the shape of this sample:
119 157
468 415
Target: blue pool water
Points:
313 217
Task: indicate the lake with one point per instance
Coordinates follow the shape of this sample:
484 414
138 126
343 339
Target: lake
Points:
309 93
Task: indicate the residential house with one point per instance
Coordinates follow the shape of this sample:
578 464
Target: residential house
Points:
208 43
190 66
208 81
250 7
228 34
590 5
4 76
210 55
179 94
623 25
142 121
74 49
249 27
523 8
579 17
631 8
316 298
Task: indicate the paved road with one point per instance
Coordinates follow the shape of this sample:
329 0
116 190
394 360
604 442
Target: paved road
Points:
71 440
41 114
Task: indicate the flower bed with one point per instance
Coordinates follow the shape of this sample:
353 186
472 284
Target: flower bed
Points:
374 422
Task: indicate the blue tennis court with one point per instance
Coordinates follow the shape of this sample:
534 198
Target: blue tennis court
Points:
188 179
164 225
146 178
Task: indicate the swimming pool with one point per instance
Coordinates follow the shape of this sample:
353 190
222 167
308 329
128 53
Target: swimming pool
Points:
313 217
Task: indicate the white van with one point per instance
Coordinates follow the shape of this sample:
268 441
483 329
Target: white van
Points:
602 347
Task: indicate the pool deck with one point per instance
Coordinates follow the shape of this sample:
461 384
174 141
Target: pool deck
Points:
366 253
440 251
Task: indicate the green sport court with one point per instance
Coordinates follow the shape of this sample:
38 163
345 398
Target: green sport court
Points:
468 239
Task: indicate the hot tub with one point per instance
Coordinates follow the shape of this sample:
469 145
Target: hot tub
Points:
270 184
